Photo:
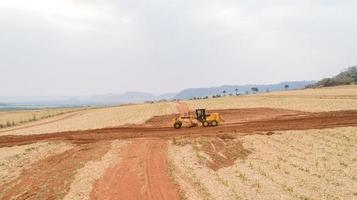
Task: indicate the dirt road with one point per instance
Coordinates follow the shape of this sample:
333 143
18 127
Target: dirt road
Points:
141 174
240 122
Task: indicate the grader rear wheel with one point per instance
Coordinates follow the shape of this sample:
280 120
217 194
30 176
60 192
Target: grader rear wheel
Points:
214 123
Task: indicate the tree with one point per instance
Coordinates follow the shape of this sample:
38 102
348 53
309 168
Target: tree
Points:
254 89
346 77
216 96
286 86
327 82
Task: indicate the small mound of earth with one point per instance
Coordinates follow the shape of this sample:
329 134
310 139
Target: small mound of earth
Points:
216 152
160 121
253 114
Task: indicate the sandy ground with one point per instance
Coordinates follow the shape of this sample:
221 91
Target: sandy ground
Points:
95 118
13 160
310 100
93 170
311 164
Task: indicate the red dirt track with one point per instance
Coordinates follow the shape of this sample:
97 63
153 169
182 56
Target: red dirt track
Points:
242 121
141 174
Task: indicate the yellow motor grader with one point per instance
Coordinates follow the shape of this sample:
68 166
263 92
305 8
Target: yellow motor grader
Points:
212 119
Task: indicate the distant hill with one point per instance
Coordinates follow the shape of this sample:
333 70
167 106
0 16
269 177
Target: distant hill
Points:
346 77
85 100
242 89
139 97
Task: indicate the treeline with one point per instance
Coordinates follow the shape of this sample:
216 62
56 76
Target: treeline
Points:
254 90
346 77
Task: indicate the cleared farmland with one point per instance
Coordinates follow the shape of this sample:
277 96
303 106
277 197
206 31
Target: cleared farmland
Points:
313 164
18 117
13 160
94 119
310 100
274 146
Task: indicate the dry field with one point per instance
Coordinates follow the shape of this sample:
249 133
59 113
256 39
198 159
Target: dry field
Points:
12 118
312 164
93 119
13 160
259 153
310 100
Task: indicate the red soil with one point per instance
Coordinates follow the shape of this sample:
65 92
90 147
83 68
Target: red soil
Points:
51 178
141 174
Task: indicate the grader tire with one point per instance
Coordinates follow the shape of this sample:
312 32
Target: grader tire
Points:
214 123
177 125
205 124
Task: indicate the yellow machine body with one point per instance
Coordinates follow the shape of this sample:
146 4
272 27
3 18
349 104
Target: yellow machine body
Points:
212 119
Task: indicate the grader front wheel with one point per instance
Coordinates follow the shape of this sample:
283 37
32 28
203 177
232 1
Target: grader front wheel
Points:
177 125
205 124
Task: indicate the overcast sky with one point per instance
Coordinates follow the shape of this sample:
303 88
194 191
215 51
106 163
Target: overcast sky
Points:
74 47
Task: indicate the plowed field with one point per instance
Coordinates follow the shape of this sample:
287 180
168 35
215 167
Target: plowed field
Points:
141 172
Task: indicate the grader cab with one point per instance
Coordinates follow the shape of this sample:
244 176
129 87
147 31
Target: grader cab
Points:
201 116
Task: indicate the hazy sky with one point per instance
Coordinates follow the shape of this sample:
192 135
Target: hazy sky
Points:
70 47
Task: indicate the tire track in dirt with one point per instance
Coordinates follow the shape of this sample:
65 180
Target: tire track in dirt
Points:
141 174
51 178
